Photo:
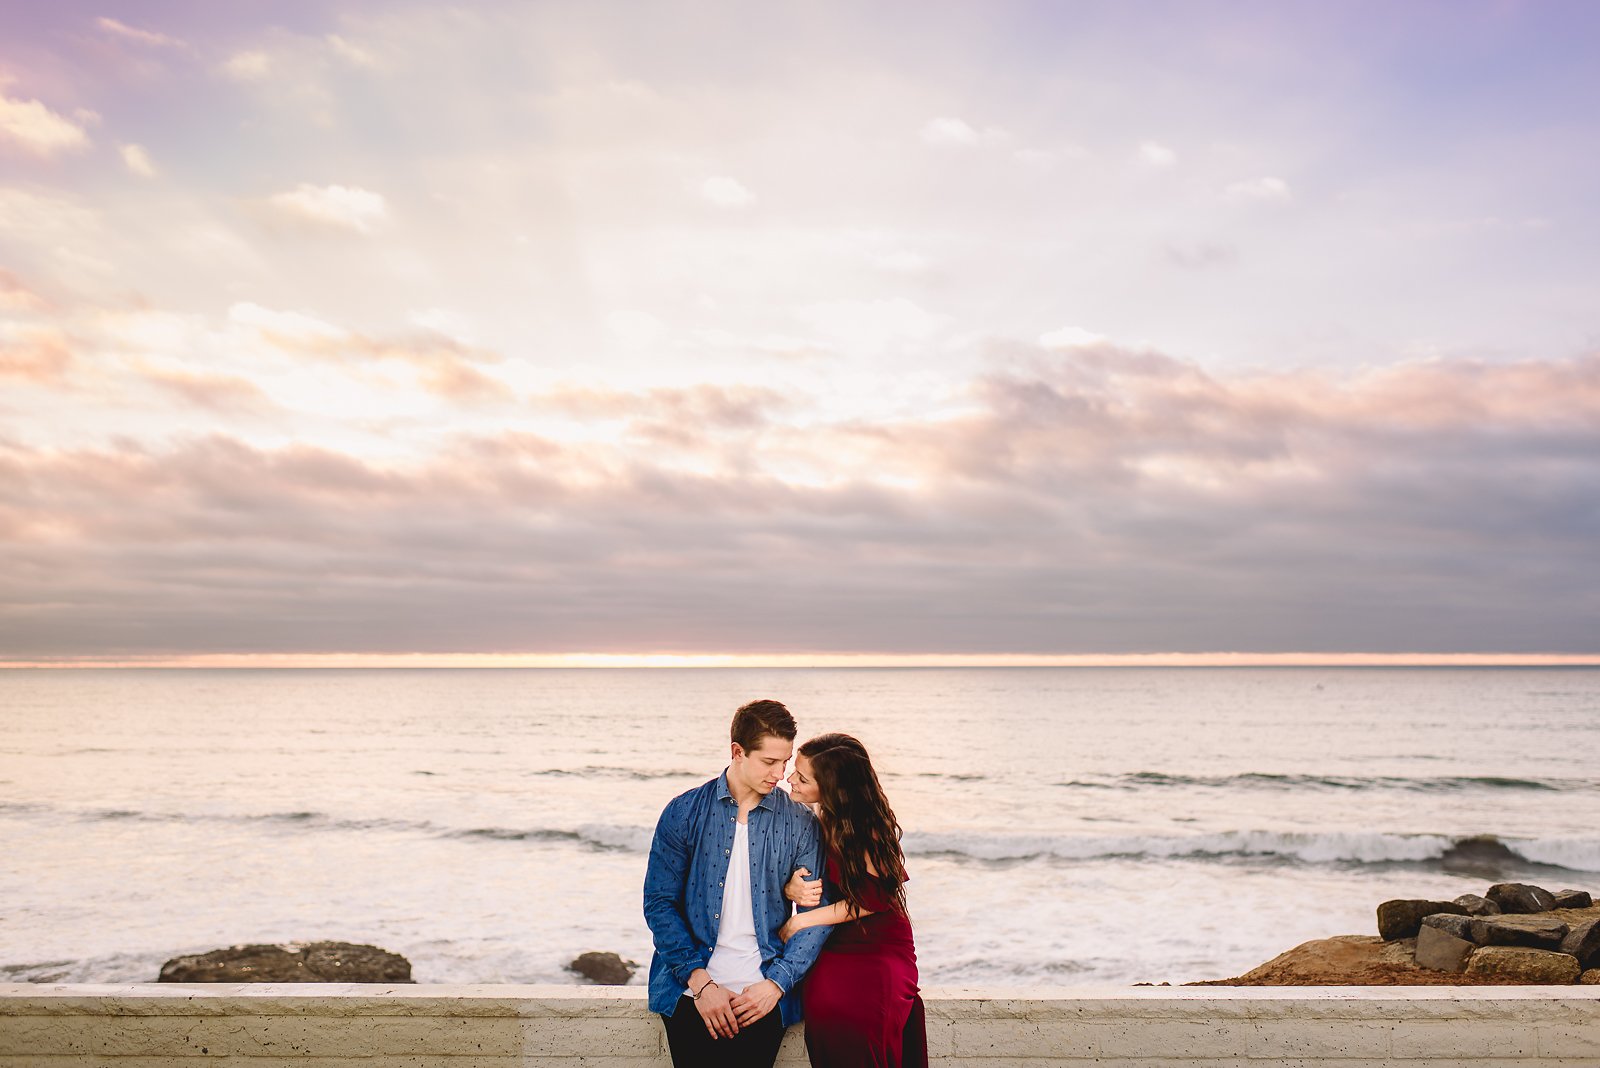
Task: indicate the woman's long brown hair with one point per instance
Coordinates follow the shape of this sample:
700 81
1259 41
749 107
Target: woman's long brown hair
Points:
858 826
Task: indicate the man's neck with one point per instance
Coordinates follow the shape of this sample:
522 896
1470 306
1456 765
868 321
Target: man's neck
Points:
745 797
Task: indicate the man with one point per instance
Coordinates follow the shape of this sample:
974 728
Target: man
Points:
713 897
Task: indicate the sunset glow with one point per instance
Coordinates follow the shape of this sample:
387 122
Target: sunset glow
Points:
373 334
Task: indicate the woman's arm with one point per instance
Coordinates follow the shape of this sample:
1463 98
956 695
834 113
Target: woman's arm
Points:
826 916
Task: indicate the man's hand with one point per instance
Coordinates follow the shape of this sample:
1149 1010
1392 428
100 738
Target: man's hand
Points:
716 1011
756 1001
801 892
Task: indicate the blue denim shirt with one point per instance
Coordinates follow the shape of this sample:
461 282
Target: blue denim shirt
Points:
683 886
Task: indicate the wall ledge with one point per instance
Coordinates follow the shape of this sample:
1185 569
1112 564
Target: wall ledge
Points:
327 1025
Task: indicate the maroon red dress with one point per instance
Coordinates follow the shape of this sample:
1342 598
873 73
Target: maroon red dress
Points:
862 1008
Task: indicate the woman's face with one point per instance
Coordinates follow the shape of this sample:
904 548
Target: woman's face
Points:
802 787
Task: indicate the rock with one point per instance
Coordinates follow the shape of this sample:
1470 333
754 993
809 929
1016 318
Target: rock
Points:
296 962
1535 932
1478 906
606 969
1583 942
1590 977
1352 960
1442 951
1450 924
1482 854
1401 917
1573 899
1521 897
1524 965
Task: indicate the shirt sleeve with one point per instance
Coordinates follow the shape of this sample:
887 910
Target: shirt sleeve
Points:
800 952
666 879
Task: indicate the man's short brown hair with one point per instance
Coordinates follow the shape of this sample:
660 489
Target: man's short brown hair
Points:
758 719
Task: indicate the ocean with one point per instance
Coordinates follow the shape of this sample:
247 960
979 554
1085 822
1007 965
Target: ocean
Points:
1063 826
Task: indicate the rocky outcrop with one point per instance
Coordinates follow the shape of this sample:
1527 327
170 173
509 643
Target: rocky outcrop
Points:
605 969
295 962
1573 899
1469 941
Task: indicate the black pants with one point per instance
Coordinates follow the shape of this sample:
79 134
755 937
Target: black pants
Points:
755 1046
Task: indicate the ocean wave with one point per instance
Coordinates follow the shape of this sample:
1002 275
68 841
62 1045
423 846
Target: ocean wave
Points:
1263 780
600 772
594 836
1448 852
1329 847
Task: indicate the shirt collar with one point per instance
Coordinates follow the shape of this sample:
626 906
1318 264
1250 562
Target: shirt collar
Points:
724 794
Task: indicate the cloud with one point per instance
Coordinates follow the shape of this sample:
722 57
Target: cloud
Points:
872 325
444 366
35 355
217 393
1069 337
726 192
16 296
350 52
1200 255
144 37
948 131
249 66
1268 190
137 160
1091 499
39 130
1157 155
336 207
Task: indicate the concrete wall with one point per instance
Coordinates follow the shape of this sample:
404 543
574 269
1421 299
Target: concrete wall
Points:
346 1026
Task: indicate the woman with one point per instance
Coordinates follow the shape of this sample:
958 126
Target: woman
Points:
861 1002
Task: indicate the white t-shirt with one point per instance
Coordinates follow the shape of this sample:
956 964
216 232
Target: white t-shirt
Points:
736 961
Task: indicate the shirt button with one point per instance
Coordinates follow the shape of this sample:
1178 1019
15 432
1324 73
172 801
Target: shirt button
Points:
718 916
724 852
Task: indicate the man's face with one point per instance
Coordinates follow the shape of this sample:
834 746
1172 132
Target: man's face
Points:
759 769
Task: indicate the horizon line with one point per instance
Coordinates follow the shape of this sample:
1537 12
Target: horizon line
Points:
805 660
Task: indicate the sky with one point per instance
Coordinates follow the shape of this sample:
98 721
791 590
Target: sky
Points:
859 329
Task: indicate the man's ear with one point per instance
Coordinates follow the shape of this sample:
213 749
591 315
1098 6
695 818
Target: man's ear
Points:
737 751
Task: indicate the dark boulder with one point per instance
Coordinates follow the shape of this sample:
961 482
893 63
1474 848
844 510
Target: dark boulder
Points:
1402 917
606 969
1573 899
1583 942
1533 932
1521 897
296 962
1478 906
1450 924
